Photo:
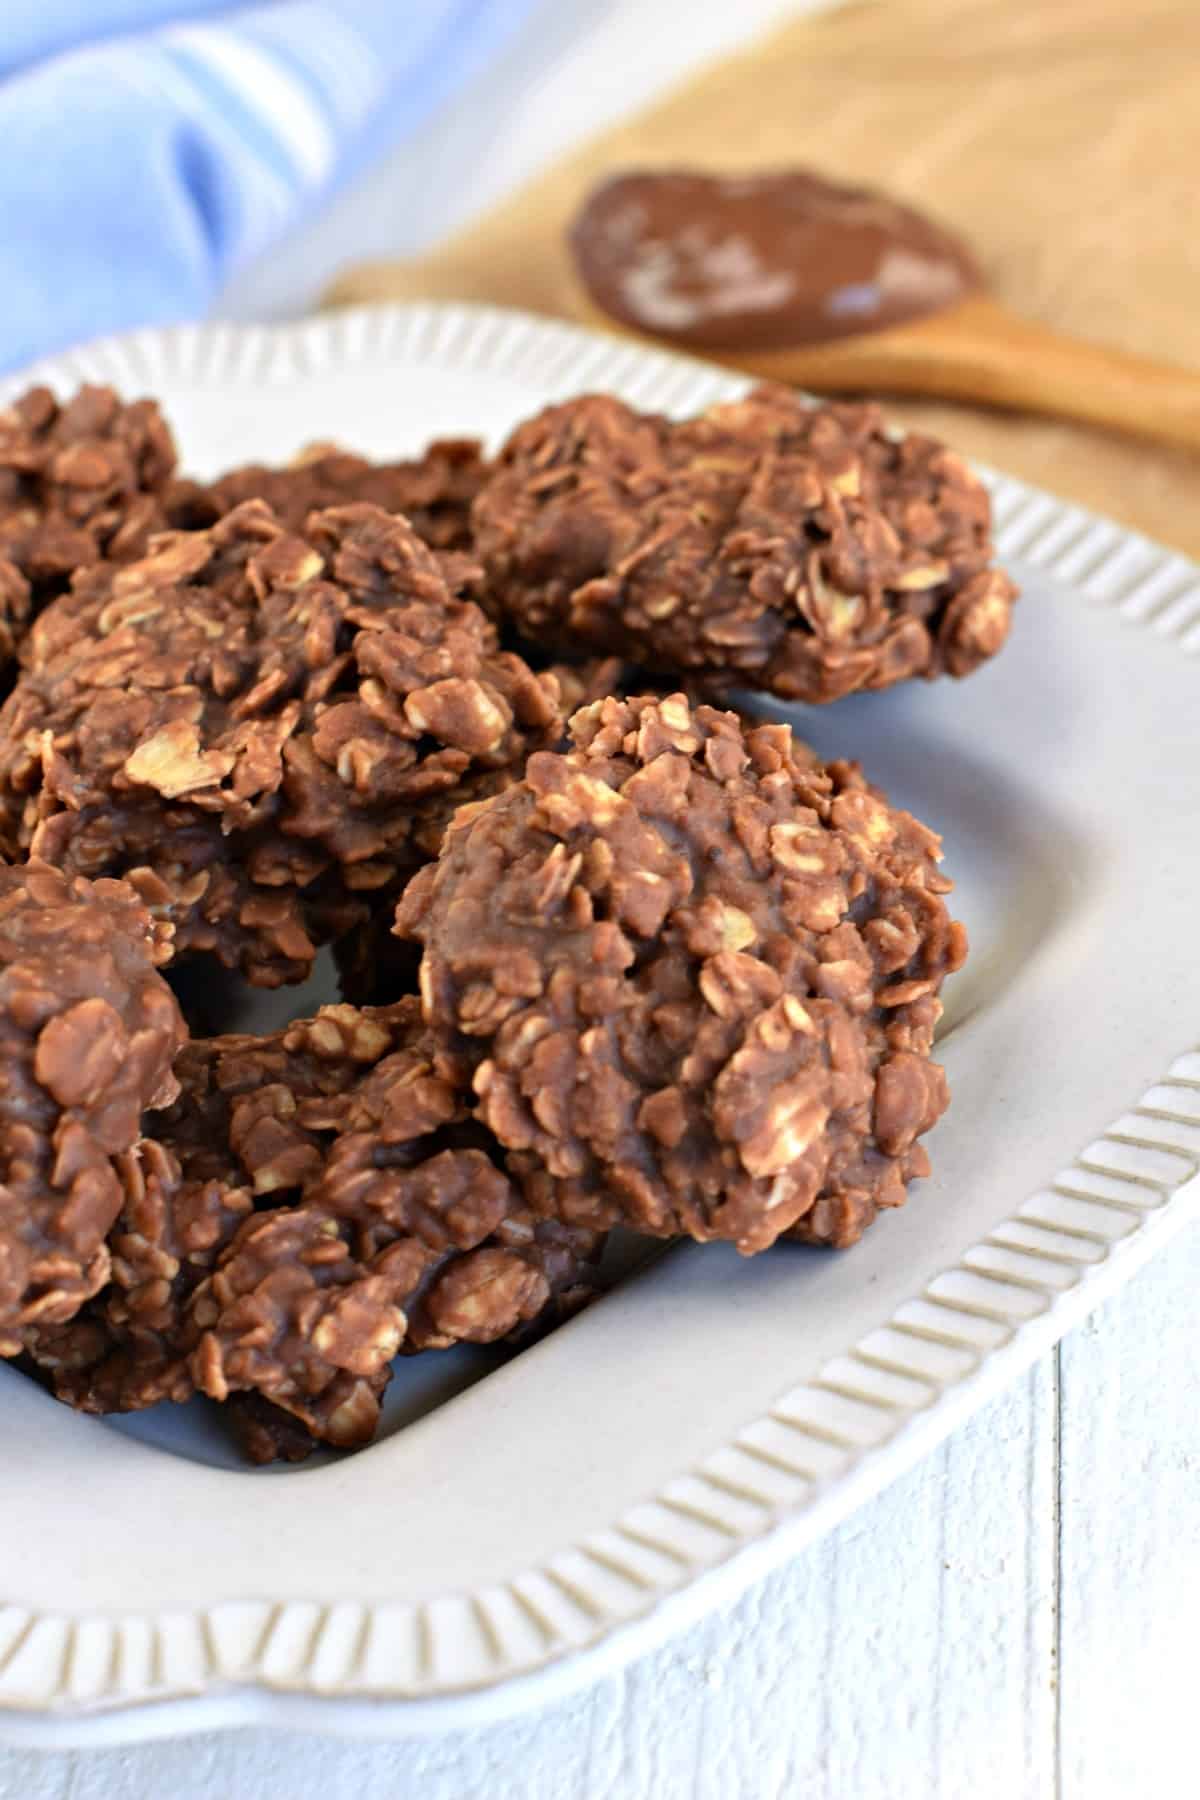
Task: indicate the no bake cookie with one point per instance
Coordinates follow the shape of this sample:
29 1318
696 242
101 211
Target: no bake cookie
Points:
693 975
263 730
88 1033
770 542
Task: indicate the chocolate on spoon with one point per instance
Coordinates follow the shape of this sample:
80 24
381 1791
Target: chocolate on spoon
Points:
845 290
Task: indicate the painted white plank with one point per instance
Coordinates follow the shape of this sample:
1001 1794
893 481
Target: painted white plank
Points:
1130 1600
907 1657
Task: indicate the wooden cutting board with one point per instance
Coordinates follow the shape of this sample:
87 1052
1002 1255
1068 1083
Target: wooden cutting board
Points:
1062 137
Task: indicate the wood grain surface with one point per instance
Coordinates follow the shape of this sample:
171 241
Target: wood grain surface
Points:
1061 137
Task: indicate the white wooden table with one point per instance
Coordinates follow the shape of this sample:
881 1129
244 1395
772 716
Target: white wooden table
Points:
1009 1622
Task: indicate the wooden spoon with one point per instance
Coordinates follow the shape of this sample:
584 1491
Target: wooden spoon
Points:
791 276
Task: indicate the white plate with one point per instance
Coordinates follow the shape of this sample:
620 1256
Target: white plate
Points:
712 1415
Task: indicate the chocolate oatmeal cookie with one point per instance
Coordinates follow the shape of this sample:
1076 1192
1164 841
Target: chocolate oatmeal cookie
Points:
693 975
79 480
408 1235
311 1205
231 1138
264 731
434 491
771 542
88 1032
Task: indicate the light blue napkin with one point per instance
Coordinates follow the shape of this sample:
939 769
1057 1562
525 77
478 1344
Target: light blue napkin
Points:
150 147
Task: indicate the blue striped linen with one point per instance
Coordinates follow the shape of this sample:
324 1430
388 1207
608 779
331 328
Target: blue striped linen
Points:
149 148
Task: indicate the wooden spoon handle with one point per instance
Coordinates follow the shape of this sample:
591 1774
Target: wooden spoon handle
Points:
977 351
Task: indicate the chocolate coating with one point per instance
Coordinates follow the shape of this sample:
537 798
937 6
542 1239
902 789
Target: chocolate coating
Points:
761 261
